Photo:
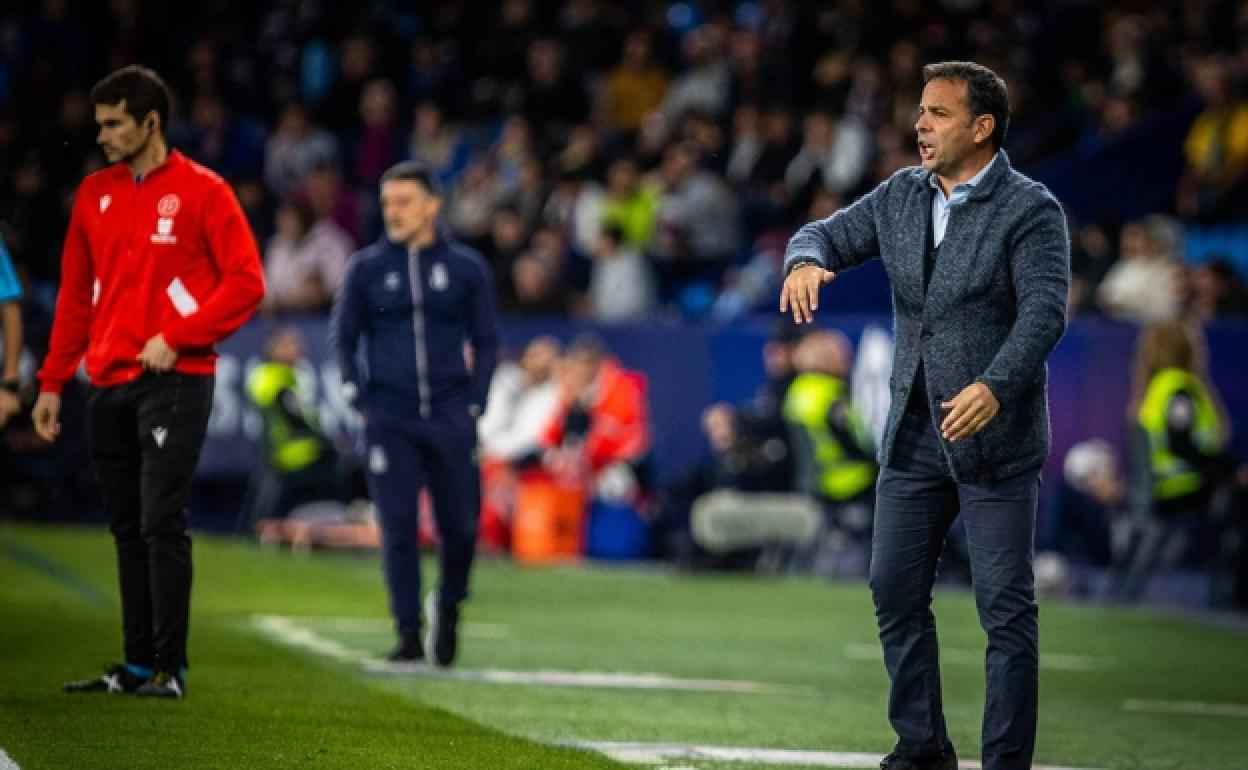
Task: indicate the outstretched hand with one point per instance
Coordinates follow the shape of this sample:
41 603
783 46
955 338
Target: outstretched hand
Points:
800 292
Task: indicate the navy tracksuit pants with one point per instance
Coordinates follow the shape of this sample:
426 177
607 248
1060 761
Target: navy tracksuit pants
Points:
403 455
917 501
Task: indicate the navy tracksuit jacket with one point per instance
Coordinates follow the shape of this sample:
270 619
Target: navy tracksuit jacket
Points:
408 317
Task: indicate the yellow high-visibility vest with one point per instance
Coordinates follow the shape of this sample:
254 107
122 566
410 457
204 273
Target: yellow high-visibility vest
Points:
290 448
1173 476
806 406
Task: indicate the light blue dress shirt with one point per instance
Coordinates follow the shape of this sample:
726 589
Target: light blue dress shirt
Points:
941 205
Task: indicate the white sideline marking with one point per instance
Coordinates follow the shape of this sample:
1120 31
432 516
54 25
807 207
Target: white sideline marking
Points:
1186 707
6 762
960 656
468 629
605 679
659 753
287 631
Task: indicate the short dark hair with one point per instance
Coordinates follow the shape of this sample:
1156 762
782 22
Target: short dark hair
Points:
141 89
986 93
413 171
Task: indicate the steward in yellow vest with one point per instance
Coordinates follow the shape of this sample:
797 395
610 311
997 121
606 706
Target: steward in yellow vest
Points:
1185 433
298 464
832 446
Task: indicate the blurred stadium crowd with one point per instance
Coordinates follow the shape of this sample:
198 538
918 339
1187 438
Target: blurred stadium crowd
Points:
614 159
618 160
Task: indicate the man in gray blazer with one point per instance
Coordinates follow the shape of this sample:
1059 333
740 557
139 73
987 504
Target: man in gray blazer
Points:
979 261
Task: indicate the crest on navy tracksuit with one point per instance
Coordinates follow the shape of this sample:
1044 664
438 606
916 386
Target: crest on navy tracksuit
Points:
438 279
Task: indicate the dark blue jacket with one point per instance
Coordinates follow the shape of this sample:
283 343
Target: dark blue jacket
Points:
414 331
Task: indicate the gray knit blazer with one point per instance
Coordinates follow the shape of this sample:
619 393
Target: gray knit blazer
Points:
994 309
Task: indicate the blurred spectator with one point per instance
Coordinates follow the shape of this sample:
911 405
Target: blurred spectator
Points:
1143 285
35 219
512 149
552 99
331 200
762 189
834 154
1215 185
433 74
536 289
305 261
634 87
473 199
621 282
697 221
357 66
528 195
231 145
601 420
631 203
440 146
761 419
747 143
377 146
1085 519
509 238
1216 292
575 206
71 139
733 462
522 402
705 85
294 149
253 197
1092 255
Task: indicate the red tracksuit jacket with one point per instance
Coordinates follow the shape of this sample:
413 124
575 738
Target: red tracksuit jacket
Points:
171 254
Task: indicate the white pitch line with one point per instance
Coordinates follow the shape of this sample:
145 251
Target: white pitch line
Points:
601 679
960 656
1195 708
295 635
289 632
660 753
470 630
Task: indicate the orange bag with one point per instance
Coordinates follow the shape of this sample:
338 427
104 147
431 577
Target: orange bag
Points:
549 521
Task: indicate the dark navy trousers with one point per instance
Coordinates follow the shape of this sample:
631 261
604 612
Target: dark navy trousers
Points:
917 501
404 455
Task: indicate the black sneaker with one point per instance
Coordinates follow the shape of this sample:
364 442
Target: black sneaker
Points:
115 679
163 685
409 650
946 761
443 636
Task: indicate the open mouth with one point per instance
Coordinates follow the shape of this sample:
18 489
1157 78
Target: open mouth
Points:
926 150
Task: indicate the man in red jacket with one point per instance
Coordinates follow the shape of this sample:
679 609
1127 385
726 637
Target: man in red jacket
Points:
159 265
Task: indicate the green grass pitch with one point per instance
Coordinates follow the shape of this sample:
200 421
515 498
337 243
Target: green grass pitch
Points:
305 694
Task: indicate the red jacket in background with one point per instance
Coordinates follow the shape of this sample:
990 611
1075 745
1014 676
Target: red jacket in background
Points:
171 254
618 422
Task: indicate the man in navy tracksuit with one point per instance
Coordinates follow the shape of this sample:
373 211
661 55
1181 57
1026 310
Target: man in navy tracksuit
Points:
424 308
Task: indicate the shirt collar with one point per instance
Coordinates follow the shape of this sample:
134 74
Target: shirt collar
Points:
969 184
